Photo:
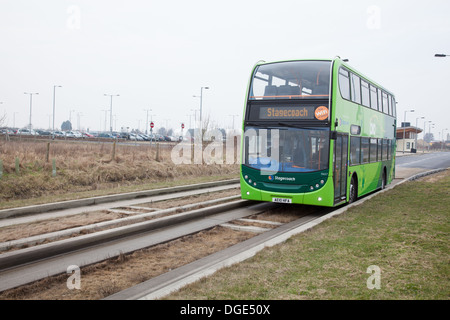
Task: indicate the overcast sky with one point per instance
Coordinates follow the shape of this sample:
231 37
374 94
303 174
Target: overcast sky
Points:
158 54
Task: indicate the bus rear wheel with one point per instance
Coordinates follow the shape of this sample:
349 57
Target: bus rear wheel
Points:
383 179
353 194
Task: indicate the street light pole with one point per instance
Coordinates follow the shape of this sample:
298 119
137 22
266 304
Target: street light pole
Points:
146 123
424 131
233 115
404 129
201 101
31 103
54 94
14 120
106 115
110 110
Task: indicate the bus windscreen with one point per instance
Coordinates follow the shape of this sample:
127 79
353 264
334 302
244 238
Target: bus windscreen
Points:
291 80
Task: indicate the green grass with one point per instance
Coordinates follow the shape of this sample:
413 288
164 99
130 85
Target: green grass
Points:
405 232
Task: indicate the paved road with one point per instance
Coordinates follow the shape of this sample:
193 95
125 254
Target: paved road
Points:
427 161
409 165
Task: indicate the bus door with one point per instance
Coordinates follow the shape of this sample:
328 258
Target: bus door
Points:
340 157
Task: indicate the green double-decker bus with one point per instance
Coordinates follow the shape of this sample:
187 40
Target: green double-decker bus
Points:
315 132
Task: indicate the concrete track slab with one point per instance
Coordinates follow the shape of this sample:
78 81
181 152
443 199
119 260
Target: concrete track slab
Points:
11 278
105 206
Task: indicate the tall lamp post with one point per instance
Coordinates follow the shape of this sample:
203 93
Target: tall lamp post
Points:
110 111
201 101
424 131
404 129
31 103
233 115
54 94
146 123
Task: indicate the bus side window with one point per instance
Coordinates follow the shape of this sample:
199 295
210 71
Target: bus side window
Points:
373 97
394 108
365 143
385 103
380 104
355 153
384 151
356 88
389 150
390 105
365 93
379 150
344 83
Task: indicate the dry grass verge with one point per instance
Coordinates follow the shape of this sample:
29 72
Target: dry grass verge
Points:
88 168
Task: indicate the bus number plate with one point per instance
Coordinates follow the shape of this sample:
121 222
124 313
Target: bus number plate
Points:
282 200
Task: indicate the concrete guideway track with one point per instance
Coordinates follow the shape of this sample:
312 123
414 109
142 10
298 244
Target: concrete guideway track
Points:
96 227
168 282
50 210
31 264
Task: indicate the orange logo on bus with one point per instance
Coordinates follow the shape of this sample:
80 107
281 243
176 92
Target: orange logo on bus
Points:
321 113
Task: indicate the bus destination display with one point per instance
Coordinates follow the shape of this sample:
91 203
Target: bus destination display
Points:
293 113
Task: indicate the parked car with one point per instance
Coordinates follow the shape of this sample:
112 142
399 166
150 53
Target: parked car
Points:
7 131
87 135
145 137
25 131
136 137
58 133
77 134
105 135
43 132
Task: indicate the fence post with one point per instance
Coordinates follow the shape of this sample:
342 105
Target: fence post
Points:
157 152
1 169
113 156
48 152
54 168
